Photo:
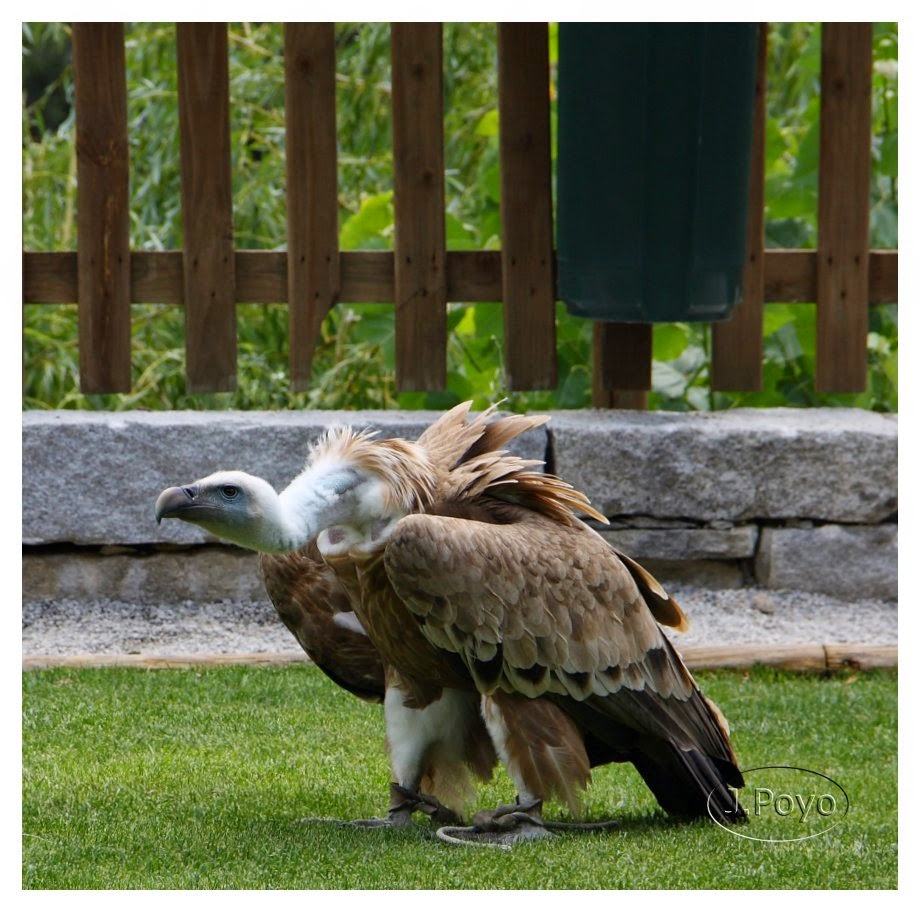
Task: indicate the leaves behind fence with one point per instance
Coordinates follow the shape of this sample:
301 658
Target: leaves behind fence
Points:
354 363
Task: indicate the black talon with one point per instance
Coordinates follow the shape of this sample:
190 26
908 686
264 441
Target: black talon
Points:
406 801
403 804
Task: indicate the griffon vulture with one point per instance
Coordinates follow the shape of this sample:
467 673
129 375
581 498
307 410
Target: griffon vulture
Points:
472 574
315 606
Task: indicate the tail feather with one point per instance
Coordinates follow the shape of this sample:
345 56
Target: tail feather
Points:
690 784
678 747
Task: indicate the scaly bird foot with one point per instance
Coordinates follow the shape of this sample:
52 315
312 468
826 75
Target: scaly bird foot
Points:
503 827
509 824
366 823
405 800
397 818
403 803
394 821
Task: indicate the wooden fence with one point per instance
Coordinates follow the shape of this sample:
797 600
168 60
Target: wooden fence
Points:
208 276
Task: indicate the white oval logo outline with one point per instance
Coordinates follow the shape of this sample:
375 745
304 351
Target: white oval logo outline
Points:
800 769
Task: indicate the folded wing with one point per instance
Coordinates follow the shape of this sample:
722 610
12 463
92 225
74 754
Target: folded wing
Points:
540 608
315 606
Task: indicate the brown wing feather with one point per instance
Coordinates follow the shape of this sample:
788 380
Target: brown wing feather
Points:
454 439
448 438
533 606
501 431
537 608
307 596
662 605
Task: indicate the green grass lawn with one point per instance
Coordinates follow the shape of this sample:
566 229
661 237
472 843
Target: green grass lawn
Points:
188 779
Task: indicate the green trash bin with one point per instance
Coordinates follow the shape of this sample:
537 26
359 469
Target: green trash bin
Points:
655 126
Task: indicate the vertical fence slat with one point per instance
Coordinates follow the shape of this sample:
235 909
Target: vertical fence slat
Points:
843 206
635 400
622 364
207 207
418 184
528 289
737 343
312 184
103 242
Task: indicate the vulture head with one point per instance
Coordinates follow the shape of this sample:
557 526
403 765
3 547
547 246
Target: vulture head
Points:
235 506
354 488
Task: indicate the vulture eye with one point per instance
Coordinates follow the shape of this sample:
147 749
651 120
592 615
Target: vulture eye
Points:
229 491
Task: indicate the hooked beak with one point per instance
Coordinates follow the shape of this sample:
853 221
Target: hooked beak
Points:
174 502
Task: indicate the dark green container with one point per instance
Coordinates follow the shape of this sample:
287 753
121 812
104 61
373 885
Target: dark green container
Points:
655 124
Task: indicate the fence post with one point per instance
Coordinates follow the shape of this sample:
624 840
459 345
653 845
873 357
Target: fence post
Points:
312 188
103 242
622 357
418 191
207 207
737 343
528 286
843 206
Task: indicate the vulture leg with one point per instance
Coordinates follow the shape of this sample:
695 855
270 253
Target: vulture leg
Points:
545 756
403 803
540 746
428 748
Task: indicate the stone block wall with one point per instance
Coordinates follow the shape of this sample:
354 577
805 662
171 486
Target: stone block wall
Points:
784 498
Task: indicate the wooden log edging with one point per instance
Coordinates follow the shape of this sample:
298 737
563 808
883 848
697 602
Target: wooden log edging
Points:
795 657
140 660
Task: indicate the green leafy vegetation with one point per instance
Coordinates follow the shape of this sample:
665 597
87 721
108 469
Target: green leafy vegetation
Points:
187 779
354 364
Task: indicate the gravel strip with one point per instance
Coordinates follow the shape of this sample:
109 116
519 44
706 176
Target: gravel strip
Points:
783 616
717 617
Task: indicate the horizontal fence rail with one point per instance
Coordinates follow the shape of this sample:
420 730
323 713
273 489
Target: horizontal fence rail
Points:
790 276
208 277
